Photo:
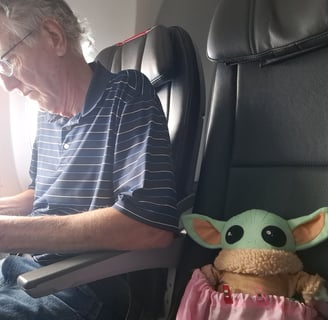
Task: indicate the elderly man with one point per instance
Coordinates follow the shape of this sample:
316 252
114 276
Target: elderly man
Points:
101 169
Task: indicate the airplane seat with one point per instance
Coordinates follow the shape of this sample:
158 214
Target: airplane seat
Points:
167 56
267 138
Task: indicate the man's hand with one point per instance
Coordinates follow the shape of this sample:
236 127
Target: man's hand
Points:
18 205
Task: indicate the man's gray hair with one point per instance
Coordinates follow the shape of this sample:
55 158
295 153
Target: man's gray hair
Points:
23 16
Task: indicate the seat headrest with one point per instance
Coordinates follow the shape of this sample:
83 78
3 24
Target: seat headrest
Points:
265 31
149 51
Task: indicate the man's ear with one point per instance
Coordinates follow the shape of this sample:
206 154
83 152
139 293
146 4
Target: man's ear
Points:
204 230
310 230
56 35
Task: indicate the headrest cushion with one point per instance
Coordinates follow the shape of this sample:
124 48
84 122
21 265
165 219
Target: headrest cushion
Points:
265 31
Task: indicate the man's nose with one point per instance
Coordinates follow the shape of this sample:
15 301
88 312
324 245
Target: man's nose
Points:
9 83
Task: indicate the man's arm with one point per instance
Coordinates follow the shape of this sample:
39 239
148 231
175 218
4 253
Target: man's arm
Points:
18 205
101 229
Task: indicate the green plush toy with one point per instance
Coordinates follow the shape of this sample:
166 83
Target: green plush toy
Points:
258 252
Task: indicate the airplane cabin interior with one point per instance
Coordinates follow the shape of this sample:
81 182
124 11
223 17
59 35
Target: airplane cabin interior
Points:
243 84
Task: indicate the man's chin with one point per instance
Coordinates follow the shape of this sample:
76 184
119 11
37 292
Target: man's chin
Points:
33 95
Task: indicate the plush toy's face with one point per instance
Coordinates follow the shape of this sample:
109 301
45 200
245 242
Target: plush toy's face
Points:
258 229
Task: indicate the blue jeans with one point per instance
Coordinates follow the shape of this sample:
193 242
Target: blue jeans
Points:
70 304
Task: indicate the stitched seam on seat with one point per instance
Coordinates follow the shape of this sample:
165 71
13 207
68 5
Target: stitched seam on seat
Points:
251 22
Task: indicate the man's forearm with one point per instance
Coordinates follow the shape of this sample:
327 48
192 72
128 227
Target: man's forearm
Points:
101 229
18 205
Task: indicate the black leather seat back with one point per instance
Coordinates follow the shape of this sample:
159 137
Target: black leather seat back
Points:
267 138
166 55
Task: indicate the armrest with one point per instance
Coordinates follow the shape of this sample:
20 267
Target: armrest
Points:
90 267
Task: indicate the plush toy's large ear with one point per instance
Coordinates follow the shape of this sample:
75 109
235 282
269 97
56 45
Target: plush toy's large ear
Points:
310 230
204 230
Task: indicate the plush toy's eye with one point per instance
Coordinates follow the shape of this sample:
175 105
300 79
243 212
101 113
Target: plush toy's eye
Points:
234 234
274 236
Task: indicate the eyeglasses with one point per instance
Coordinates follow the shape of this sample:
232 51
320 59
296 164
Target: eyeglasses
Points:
6 68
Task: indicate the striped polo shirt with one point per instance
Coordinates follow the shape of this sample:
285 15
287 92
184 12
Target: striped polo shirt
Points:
116 152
